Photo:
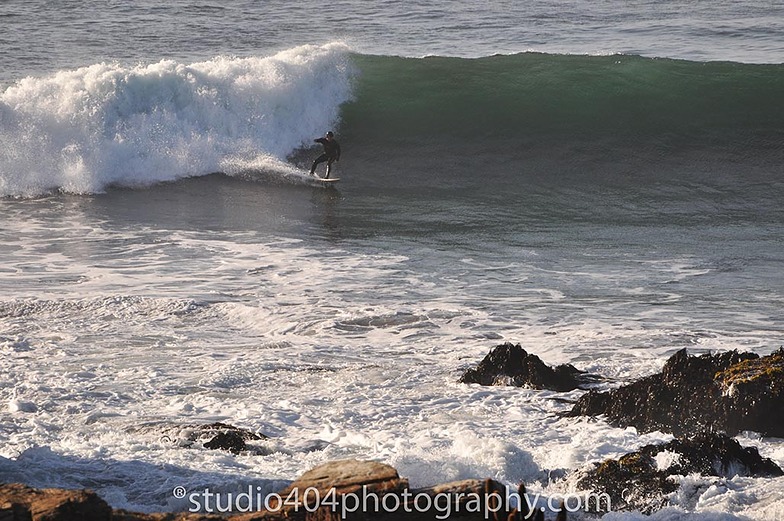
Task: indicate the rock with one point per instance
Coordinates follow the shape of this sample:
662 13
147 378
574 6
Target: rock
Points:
213 436
729 392
713 454
510 364
347 483
349 476
348 490
21 503
221 436
641 480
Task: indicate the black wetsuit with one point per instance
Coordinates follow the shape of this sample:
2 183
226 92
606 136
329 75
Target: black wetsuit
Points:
330 155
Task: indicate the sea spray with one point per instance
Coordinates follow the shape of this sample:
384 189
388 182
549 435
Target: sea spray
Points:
83 130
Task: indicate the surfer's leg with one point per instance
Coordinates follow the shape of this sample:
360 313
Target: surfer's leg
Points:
319 159
329 166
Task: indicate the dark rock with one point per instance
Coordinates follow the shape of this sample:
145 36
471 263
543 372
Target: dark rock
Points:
214 436
713 454
510 364
229 440
635 481
221 436
561 512
729 392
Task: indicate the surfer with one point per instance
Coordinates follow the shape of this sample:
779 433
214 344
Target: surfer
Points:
330 155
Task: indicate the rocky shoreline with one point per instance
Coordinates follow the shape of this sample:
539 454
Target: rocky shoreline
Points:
727 392
339 490
368 490
702 400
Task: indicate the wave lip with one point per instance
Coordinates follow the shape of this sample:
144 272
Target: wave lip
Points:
83 130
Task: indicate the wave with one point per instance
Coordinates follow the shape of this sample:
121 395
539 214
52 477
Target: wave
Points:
84 130
511 122
107 124
570 97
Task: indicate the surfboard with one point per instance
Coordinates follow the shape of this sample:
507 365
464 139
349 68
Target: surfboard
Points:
304 177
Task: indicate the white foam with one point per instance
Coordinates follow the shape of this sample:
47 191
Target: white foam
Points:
335 353
666 459
82 130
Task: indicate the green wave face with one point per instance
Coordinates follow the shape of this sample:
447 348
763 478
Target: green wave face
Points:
537 98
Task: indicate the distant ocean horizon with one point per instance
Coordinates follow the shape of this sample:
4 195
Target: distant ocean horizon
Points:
599 182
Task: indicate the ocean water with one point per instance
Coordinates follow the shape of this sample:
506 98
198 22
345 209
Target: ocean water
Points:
597 181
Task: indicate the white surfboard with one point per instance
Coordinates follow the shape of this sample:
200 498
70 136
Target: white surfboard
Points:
304 177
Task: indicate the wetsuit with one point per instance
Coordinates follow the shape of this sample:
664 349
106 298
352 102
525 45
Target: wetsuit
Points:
330 155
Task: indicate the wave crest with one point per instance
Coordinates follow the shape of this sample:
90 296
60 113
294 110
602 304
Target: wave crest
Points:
107 124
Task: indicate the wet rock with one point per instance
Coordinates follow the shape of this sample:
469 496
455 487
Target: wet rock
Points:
729 392
221 436
641 480
214 436
510 364
21 503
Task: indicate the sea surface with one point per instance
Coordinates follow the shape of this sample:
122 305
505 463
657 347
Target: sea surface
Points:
598 181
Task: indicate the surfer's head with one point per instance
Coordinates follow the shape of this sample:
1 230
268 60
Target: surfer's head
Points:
330 134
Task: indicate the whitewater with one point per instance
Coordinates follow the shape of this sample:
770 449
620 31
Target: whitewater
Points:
89 128
601 185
